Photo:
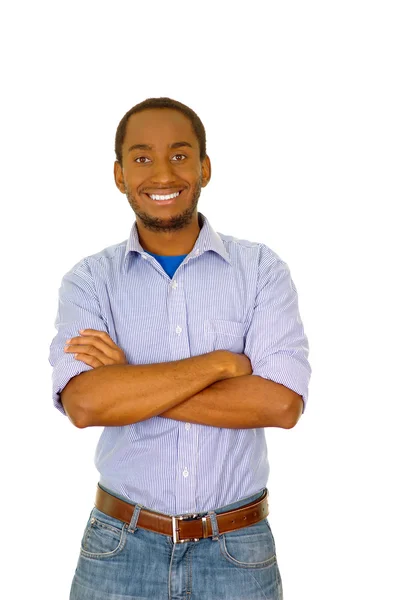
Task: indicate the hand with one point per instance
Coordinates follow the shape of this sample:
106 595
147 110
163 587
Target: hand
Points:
96 349
242 365
233 364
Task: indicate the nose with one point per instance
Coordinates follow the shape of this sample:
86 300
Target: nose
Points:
163 171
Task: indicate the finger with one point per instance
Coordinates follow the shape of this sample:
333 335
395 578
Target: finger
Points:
103 335
92 361
97 343
90 351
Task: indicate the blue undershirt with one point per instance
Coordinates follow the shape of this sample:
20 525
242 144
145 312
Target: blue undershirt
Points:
169 263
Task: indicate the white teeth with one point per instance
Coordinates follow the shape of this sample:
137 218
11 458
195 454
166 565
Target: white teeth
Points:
168 197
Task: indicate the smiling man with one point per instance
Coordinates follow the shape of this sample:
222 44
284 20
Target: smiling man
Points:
184 344
165 204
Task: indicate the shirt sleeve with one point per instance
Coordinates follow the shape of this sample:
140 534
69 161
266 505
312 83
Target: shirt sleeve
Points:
78 308
276 342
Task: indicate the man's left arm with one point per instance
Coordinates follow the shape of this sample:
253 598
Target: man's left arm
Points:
276 393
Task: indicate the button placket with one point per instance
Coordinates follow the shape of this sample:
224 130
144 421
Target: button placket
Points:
186 469
185 490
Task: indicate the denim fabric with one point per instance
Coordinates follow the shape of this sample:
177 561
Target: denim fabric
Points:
119 561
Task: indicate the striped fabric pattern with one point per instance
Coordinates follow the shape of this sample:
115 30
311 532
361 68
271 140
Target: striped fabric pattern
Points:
227 293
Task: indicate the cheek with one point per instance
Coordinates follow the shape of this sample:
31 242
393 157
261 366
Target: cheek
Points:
131 188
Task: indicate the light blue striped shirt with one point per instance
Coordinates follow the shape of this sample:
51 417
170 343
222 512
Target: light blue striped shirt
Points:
227 293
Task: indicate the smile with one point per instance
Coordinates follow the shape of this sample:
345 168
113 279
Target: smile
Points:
167 197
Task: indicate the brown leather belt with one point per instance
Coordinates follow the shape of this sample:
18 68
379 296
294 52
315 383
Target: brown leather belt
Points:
184 528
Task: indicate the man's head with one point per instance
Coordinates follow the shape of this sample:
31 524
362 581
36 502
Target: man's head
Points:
160 150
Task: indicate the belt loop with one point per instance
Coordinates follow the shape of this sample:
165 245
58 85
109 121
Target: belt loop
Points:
134 518
214 524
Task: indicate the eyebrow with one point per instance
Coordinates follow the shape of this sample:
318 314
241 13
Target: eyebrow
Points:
147 147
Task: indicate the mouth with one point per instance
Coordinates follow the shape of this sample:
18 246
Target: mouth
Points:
164 199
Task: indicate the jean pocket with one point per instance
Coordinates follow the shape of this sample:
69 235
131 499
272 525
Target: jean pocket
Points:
250 547
102 539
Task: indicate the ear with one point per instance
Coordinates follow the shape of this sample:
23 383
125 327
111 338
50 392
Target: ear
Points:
206 170
118 176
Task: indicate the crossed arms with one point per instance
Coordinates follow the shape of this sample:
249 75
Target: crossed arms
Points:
216 389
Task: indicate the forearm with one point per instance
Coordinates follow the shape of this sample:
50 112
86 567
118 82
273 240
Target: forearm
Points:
242 402
117 395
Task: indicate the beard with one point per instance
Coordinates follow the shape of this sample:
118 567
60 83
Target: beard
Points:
172 223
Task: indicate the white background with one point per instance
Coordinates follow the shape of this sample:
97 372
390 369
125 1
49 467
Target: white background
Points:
299 104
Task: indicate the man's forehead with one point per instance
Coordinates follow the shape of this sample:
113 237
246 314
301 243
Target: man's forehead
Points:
164 125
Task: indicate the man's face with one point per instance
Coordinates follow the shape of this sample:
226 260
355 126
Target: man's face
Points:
161 156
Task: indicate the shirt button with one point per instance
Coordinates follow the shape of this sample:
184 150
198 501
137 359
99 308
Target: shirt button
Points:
197 251
185 472
187 426
144 256
178 329
174 285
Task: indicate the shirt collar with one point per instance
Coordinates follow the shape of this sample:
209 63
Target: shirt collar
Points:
208 239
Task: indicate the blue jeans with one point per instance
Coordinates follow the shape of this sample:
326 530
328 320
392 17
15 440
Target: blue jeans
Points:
119 561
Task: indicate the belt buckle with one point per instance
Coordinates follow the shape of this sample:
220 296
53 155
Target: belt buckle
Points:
175 528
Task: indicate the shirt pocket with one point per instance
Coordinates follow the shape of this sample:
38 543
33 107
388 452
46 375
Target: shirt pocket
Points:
224 335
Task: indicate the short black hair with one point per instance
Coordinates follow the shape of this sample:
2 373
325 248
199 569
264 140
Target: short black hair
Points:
197 125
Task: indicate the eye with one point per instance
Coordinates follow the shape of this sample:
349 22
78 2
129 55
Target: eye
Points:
139 159
180 155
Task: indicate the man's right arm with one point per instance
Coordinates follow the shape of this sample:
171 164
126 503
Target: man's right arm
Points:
115 395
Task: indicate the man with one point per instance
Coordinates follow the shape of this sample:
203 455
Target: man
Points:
184 344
